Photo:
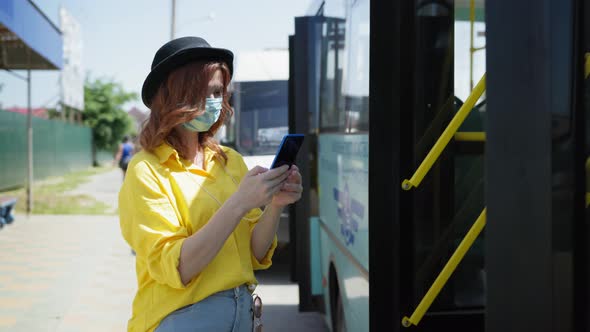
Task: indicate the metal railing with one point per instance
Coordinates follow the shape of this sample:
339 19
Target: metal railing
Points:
434 153
446 136
446 272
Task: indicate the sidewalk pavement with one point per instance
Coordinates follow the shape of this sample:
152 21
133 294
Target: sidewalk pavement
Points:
76 273
104 187
280 299
65 273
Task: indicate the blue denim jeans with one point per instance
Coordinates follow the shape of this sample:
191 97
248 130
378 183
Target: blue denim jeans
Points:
226 311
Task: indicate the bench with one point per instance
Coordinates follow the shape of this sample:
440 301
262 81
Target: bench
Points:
7 204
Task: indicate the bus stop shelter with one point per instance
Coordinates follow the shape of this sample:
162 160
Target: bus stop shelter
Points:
28 41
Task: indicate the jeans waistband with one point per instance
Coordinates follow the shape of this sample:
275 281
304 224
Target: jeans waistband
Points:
234 292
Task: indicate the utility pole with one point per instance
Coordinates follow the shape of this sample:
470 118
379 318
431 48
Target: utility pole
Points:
173 20
29 139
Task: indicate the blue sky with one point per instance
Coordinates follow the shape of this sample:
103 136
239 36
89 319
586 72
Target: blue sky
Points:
121 36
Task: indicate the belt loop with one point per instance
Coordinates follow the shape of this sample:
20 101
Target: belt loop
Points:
251 288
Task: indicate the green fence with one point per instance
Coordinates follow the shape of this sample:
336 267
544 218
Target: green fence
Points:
58 148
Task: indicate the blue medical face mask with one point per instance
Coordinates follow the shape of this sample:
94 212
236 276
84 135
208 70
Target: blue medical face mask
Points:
204 121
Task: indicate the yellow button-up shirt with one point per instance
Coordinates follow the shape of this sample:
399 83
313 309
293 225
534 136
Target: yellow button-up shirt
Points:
161 203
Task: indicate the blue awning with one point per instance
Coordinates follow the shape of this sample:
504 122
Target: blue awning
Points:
24 28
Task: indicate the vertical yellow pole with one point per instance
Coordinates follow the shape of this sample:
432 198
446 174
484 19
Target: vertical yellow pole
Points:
471 41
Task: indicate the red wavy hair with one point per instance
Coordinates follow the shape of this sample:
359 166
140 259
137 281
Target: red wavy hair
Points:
180 98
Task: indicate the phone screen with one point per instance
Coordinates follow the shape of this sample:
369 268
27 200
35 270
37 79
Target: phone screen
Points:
288 150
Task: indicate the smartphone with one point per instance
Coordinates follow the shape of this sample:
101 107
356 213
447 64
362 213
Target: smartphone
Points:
288 149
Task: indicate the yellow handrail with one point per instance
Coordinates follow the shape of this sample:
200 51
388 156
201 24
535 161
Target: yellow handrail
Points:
446 272
446 136
470 136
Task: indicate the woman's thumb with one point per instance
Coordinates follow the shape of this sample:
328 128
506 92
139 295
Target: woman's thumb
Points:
257 170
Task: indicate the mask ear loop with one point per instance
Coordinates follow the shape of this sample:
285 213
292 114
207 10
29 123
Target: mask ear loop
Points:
215 198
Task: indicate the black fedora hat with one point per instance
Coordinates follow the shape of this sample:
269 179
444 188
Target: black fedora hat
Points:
176 53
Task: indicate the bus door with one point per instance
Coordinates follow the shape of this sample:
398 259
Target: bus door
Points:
537 153
445 202
306 46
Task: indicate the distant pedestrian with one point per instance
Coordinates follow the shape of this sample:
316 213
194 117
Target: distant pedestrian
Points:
124 154
189 207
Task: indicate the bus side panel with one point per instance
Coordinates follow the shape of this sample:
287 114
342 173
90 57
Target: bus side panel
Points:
343 191
354 288
343 200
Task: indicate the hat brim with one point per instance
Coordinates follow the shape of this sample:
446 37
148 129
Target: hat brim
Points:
159 73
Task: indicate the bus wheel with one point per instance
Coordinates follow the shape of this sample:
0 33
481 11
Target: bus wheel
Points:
340 323
336 306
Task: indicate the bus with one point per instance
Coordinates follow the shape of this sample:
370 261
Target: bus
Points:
259 99
376 87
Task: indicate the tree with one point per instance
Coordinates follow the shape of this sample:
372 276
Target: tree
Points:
103 112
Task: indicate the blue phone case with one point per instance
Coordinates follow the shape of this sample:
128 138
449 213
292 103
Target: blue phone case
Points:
288 150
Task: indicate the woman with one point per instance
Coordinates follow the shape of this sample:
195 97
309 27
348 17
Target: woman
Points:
189 207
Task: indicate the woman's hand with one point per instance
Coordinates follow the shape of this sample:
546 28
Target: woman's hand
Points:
291 189
259 186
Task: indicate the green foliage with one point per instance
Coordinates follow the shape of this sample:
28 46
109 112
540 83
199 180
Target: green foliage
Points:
53 113
103 112
65 113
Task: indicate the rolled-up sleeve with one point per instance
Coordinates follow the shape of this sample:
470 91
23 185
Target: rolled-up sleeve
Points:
253 216
150 224
266 261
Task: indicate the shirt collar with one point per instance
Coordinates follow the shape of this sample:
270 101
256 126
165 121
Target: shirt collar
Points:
165 152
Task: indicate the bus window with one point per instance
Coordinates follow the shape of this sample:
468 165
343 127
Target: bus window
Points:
331 100
355 81
344 83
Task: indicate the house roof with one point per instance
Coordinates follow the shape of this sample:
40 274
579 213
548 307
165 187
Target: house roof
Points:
37 112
